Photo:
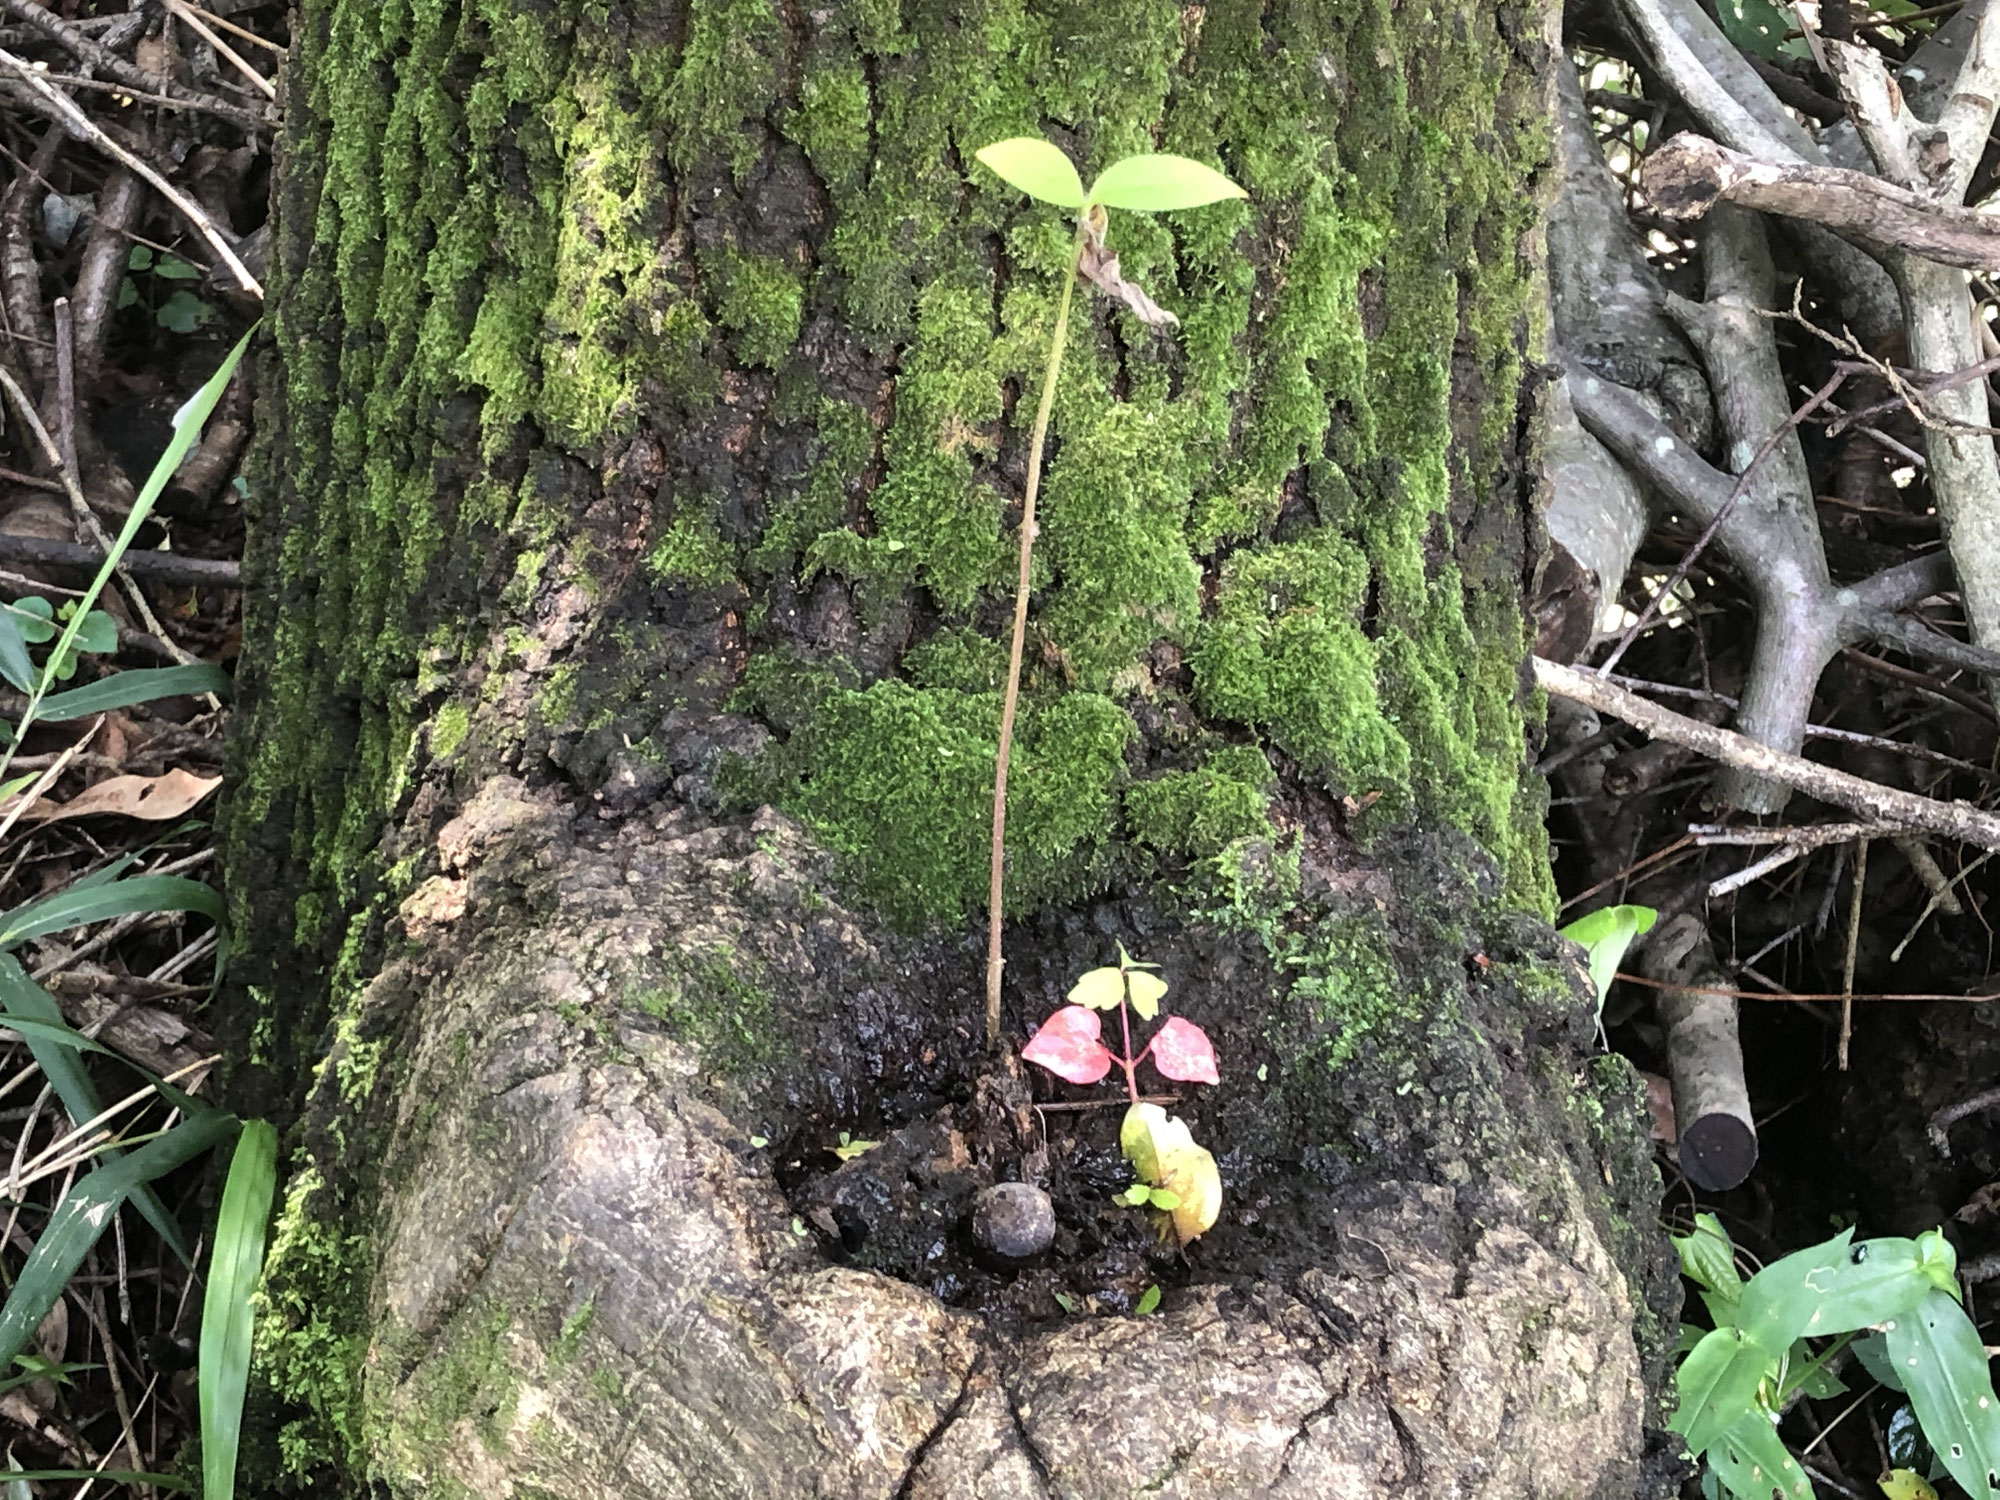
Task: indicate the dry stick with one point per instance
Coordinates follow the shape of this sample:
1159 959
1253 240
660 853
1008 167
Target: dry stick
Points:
64 109
1714 527
234 30
994 961
1802 997
1853 948
194 23
66 394
102 58
1958 820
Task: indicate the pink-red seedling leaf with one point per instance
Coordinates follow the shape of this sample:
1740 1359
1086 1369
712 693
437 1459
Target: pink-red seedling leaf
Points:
1068 1047
1181 1050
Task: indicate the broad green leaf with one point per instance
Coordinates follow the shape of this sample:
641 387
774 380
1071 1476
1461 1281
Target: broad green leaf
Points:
173 268
1100 989
1156 182
78 905
226 1315
15 664
1146 992
1854 1287
83 1215
1780 1300
1873 1353
1907 1484
1037 168
1718 1385
1148 1300
1164 1198
1938 1261
1942 1361
142 685
1757 26
1605 934
97 634
1754 1464
1708 1259
24 1000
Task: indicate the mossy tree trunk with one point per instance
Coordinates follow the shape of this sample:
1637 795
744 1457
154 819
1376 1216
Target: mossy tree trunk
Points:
643 426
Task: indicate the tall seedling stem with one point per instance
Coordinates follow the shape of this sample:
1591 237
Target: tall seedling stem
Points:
1150 182
994 962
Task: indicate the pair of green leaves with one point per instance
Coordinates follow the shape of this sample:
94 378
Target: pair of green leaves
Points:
1154 182
1139 1195
1109 987
1735 1376
32 621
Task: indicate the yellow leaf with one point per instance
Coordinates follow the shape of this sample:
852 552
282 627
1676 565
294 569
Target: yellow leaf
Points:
848 1150
1146 992
1164 1155
1906 1484
1100 989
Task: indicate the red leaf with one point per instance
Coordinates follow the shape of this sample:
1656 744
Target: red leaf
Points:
1068 1047
1181 1050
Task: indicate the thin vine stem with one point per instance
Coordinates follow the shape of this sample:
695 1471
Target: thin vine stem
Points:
994 962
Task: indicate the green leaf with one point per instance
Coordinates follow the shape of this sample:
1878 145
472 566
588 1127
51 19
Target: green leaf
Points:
1135 1195
183 312
1037 168
98 634
80 1220
1754 1464
1164 1198
1718 1384
1708 1259
79 905
1873 1352
1156 182
142 685
173 268
15 665
1148 1300
226 1315
1146 992
1942 1360
141 258
24 1000
1756 26
1605 934
1100 989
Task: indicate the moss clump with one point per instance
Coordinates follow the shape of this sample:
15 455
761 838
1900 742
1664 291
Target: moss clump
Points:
898 781
449 727
720 1004
761 300
691 552
1195 813
1284 652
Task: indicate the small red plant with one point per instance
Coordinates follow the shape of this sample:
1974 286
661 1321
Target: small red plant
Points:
1176 1175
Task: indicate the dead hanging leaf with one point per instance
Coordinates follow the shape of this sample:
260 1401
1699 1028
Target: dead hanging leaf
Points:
1099 266
154 798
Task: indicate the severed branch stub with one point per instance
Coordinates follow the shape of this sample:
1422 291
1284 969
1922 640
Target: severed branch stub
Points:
1718 1138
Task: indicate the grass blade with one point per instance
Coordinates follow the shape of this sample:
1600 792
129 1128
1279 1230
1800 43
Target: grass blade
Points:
141 685
81 1218
226 1313
23 999
1942 1360
117 898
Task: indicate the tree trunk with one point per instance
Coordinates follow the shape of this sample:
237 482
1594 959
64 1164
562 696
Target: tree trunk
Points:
643 431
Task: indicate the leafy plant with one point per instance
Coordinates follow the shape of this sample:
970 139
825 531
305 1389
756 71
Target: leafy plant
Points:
1605 934
1152 182
1735 1379
114 1164
180 311
1176 1176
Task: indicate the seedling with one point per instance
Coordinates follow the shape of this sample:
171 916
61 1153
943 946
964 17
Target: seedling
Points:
1175 1175
1901 1295
1605 934
1152 182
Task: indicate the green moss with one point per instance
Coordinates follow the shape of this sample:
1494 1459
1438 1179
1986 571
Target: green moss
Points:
1196 813
691 552
761 300
449 727
310 1337
898 781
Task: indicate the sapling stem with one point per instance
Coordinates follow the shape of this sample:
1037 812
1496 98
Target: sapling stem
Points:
994 961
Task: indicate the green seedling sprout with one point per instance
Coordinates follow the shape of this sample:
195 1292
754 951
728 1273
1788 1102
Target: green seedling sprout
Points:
1152 182
1176 1176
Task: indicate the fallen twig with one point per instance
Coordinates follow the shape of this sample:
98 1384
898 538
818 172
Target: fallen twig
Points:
1957 820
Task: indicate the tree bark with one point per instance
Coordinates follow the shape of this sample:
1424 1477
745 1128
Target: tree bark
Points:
641 435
